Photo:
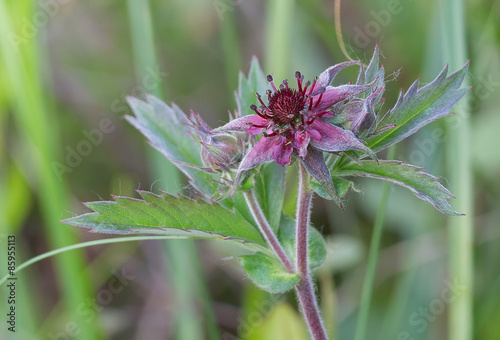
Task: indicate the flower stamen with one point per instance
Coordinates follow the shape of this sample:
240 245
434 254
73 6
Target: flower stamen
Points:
270 79
313 85
254 108
318 101
299 80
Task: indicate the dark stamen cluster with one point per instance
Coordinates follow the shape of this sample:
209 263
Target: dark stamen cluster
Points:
286 109
285 106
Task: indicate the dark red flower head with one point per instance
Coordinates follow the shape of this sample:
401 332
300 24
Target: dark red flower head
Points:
292 120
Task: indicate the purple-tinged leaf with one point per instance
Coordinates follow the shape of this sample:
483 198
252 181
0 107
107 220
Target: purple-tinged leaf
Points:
326 77
316 166
168 130
373 72
420 106
423 185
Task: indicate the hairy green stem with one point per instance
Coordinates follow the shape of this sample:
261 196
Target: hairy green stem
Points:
267 231
305 288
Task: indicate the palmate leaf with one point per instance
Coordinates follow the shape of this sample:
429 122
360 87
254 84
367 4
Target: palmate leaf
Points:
168 215
420 106
423 185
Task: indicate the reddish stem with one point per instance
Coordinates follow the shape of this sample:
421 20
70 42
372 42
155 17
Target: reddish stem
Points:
267 231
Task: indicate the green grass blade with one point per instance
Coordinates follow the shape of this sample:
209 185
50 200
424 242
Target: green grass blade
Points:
141 28
32 119
460 178
367 290
81 245
230 48
280 16
188 287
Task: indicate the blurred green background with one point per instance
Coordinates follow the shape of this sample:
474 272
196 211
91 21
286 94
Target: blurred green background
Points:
66 67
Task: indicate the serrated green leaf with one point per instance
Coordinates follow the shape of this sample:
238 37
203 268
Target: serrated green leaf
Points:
167 215
256 82
373 69
341 185
268 273
373 72
316 250
168 131
423 185
420 106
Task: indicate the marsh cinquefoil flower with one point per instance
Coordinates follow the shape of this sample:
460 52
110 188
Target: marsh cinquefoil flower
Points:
292 123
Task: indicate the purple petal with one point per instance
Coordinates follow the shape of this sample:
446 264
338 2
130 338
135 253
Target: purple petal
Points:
301 142
313 133
253 130
243 124
335 139
282 151
327 76
316 166
333 95
261 153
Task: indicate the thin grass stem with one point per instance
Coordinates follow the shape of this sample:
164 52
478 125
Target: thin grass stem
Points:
41 134
371 268
460 230
184 271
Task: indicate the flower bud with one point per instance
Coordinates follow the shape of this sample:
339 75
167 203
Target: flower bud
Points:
220 151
